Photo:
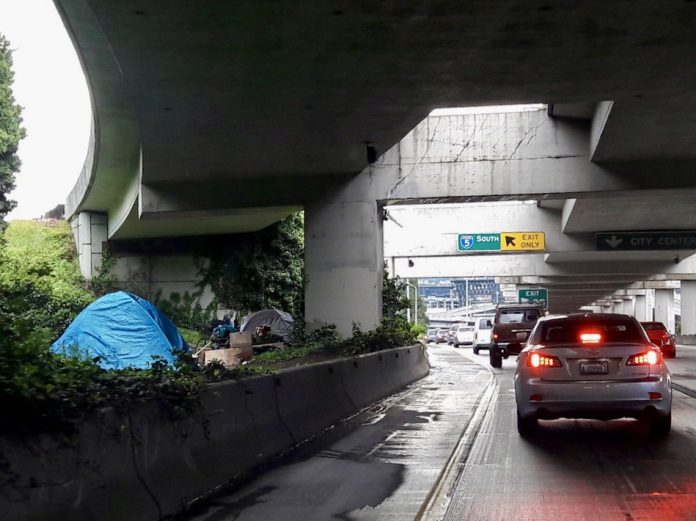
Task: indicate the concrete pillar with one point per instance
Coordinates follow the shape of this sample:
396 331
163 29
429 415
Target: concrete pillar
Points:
688 307
606 308
664 307
344 264
641 308
629 306
90 231
650 304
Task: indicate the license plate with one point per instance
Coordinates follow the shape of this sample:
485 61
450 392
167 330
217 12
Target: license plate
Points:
594 367
522 336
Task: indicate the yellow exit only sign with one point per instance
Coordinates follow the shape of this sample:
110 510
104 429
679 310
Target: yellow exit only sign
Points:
522 241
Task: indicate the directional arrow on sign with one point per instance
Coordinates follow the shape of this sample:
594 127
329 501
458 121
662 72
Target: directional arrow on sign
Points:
614 241
509 241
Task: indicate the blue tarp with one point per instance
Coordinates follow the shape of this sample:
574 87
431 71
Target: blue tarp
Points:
123 330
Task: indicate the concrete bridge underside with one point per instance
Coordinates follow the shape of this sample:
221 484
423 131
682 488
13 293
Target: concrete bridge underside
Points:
225 117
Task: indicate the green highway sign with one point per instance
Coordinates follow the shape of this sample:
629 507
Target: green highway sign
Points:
533 296
478 242
615 241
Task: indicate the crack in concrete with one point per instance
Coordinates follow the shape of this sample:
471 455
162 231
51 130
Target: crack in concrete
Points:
528 137
430 140
471 137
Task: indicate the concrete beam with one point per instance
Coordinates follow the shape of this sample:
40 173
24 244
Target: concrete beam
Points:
530 264
412 231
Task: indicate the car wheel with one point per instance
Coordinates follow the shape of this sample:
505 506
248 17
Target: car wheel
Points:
455 345
476 349
526 426
661 425
495 358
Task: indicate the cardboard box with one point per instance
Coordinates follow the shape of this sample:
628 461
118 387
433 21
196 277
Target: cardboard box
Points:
240 339
230 357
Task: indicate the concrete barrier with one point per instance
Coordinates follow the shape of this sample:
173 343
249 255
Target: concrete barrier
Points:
145 467
687 340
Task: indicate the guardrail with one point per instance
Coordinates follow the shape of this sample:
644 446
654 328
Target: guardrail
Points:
145 467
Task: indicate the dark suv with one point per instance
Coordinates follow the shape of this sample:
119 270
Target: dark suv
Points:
511 327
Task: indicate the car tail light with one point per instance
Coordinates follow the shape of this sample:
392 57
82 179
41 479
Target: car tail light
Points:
666 339
495 336
539 360
651 357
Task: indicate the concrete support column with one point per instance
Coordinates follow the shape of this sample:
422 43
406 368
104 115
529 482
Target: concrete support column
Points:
606 308
641 308
629 306
90 231
344 264
688 307
664 307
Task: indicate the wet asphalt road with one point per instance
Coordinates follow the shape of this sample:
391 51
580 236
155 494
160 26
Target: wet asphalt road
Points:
382 465
580 469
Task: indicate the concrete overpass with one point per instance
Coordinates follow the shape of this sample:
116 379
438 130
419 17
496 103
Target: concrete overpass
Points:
226 117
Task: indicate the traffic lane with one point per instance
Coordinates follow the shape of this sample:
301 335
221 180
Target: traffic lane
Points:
577 469
382 466
683 367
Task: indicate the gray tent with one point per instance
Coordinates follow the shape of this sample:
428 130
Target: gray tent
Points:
281 322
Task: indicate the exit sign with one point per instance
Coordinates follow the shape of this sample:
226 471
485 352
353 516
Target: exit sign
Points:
533 296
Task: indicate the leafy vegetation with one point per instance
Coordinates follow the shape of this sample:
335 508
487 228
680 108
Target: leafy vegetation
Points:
40 280
185 310
11 131
41 291
260 270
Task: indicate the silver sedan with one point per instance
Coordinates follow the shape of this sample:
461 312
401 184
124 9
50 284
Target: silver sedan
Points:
598 366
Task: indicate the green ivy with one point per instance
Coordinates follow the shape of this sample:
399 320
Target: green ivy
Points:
185 310
260 270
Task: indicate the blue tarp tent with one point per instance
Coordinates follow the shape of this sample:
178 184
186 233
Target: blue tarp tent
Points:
123 330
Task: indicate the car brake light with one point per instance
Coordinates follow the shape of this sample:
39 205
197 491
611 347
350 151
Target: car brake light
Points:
651 357
539 360
590 338
495 336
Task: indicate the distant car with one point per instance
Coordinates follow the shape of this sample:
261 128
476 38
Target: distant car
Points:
599 366
450 333
464 335
431 335
658 334
441 336
482 333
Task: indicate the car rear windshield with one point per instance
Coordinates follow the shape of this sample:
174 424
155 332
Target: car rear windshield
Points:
485 323
568 331
511 316
653 326
465 328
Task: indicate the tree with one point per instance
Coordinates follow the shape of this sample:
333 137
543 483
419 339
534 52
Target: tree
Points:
57 213
11 131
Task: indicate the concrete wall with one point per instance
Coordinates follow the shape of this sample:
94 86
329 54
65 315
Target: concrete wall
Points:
153 275
141 467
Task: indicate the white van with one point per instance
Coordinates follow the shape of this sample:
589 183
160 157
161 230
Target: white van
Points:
482 333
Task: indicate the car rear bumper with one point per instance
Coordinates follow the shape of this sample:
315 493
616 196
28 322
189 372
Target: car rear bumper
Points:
598 399
508 348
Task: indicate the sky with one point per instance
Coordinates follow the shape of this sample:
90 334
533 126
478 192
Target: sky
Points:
51 88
